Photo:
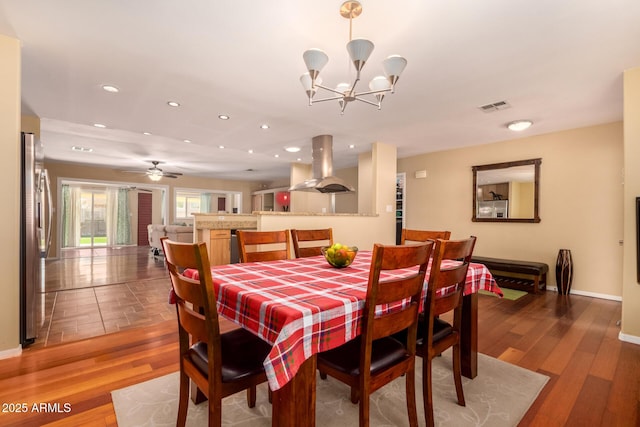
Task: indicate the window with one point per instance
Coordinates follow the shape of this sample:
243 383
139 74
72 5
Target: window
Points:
189 201
187 204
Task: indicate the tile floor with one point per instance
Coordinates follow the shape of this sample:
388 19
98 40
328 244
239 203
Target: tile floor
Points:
72 314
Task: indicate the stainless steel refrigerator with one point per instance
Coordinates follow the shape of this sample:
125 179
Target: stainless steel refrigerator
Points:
35 236
493 209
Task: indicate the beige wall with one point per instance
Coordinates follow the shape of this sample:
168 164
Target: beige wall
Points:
10 178
580 202
377 226
59 170
631 287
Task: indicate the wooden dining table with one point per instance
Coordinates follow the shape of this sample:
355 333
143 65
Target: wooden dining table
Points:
304 306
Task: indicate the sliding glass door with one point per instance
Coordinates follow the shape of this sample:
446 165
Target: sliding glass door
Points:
93 215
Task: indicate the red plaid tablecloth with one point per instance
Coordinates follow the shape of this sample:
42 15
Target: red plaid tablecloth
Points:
304 306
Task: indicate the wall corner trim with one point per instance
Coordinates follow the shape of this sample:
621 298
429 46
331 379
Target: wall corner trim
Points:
629 338
12 352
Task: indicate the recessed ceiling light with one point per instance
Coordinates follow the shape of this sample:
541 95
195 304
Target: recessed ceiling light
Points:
299 159
100 125
173 104
223 117
250 151
276 155
352 145
82 149
292 149
221 147
188 141
146 133
110 88
264 126
519 125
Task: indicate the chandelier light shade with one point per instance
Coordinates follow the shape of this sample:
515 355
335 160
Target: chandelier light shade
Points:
359 51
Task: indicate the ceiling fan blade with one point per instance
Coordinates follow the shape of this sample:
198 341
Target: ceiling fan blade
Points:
134 171
168 175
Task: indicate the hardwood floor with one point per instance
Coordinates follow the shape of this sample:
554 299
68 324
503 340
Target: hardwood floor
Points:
594 376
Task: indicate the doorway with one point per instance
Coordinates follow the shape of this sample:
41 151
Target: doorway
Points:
93 213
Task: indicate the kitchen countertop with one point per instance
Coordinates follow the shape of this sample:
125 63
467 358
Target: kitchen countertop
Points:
214 221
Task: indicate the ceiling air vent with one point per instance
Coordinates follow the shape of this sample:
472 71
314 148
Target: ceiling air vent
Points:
495 106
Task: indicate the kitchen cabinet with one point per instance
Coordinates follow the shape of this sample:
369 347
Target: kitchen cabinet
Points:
219 247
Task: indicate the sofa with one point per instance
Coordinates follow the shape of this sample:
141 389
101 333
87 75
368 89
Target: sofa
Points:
177 233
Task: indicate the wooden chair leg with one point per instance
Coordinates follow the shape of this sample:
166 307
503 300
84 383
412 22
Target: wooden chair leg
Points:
457 374
364 410
183 403
355 395
251 396
427 395
411 397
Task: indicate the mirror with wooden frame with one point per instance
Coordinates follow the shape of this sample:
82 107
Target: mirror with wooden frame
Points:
506 192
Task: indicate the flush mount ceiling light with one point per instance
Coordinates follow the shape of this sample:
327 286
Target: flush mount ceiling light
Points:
173 104
519 125
223 117
359 51
82 149
110 88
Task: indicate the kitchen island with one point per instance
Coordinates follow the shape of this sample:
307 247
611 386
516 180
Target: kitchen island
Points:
362 230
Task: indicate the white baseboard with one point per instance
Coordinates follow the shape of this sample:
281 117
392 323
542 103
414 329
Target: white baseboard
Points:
13 352
629 338
590 294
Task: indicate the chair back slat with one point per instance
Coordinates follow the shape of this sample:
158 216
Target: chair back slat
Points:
409 235
390 324
258 246
308 242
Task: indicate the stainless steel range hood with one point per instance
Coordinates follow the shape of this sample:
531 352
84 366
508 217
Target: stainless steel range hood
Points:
323 180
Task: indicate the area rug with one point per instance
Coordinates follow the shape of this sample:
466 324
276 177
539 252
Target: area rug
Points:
510 294
499 396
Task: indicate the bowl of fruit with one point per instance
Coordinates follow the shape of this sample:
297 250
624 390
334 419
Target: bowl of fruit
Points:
338 255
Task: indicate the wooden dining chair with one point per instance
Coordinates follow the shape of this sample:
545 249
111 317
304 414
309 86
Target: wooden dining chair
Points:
375 358
422 235
434 334
219 364
276 245
323 236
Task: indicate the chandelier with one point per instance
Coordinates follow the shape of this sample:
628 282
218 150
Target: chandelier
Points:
359 51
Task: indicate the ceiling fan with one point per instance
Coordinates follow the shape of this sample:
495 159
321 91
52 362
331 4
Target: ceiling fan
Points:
155 173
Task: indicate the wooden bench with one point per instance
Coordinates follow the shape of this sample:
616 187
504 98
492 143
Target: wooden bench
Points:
523 275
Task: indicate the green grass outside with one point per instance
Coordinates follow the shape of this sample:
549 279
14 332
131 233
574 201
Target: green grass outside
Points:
99 240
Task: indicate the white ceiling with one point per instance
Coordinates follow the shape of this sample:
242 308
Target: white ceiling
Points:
557 63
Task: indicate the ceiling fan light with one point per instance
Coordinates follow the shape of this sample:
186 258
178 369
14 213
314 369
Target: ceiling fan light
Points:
155 176
315 60
359 51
